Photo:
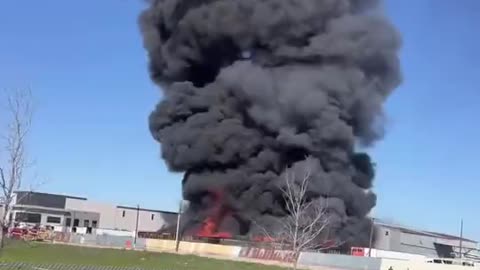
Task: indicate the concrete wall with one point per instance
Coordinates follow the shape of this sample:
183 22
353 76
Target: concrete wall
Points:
361 263
386 254
339 261
105 211
156 245
387 264
309 259
306 259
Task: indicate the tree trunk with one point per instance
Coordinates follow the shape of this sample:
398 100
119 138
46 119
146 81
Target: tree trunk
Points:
295 260
2 238
3 224
295 246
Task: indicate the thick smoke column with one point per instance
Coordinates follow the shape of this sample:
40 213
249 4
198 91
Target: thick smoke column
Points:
252 87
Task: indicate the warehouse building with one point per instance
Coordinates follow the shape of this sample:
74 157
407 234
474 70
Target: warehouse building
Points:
79 214
429 244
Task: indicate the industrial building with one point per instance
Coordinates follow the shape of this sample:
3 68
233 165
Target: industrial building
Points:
79 214
401 239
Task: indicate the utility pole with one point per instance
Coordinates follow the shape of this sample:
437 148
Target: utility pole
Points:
461 238
177 236
136 227
371 238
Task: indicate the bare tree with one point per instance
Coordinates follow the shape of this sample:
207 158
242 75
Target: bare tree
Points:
305 228
16 116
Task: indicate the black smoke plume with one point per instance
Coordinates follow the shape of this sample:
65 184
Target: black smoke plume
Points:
252 87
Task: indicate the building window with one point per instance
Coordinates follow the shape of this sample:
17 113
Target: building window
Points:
68 223
123 213
76 222
28 217
94 223
86 223
56 220
153 216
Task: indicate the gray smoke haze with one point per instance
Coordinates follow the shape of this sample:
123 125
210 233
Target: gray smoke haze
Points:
252 87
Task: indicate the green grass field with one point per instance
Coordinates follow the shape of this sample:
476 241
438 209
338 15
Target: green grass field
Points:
47 253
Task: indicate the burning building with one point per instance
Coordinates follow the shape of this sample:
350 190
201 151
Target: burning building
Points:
253 87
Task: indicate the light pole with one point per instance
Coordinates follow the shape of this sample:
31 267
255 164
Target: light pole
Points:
371 238
136 227
461 238
177 233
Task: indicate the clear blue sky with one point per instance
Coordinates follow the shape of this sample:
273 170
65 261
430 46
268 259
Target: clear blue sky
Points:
86 66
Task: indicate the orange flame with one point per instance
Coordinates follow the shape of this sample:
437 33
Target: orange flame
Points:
210 225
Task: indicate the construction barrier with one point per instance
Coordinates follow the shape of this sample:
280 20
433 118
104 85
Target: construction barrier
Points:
83 239
61 237
388 264
31 234
307 259
267 254
102 240
192 248
107 240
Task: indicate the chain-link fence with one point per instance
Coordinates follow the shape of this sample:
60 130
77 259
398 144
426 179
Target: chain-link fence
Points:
27 266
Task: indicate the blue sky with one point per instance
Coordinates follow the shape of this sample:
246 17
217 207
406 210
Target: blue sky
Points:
85 63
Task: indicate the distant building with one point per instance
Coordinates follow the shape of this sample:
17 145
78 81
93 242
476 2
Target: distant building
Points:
75 212
429 244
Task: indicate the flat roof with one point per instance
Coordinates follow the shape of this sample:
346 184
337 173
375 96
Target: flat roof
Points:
52 194
85 199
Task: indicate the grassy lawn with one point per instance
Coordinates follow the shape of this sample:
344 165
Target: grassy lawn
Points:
47 253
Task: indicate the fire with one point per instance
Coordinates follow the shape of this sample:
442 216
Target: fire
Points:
264 239
210 225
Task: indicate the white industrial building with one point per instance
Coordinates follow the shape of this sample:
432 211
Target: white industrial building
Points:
396 238
76 213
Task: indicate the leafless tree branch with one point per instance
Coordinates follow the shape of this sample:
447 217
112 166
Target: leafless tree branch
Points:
307 221
13 155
